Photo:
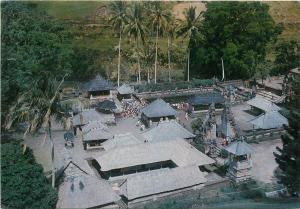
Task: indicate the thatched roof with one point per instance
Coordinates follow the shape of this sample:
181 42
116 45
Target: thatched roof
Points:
240 147
125 89
167 130
263 104
158 108
87 190
165 180
269 120
97 84
121 140
207 99
179 151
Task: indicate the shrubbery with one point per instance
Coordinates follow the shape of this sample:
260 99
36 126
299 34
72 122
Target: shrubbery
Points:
22 180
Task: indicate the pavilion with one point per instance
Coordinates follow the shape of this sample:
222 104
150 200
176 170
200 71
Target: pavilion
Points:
143 169
167 130
205 100
157 110
95 137
240 162
79 189
269 120
106 106
91 115
125 91
97 87
263 104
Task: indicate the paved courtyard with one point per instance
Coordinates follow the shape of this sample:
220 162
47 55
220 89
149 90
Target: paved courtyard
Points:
264 162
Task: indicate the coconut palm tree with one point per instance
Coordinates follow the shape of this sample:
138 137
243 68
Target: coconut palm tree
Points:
171 30
118 21
37 107
159 18
187 28
136 28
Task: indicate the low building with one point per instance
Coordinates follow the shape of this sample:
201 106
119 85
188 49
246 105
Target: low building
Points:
79 189
156 111
106 106
269 120
95 138
168 130
93 125
125 92
140 187
240 162
91 115
121 140
97 87
202 102
122 161
263 104
139 170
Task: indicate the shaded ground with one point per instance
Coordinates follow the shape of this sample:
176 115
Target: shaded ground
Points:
241 117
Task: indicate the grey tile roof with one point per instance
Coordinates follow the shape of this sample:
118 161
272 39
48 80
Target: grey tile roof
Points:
165 180
94 125
121 140
106 105
179 151
125 89
92 115
263 104
167 130
240 148
269 120
95 192
158 108
97 134
97 84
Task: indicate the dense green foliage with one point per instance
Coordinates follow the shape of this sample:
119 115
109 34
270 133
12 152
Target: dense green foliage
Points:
287 57
288 157
238 32
32 43
23 184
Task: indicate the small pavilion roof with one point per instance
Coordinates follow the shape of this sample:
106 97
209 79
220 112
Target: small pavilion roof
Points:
92 115
125 89
207 99
94 125
165 180
97 134
239 148
158 108
106 105
269 120
167 130
263 104
93 192
98 84
121 140
179 151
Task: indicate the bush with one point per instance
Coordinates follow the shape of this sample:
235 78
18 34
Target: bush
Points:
22 181
224 154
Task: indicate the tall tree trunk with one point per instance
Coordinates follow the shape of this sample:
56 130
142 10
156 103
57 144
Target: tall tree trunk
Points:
119 60
155 64
52 153
169 58
188 65
148 75
138 59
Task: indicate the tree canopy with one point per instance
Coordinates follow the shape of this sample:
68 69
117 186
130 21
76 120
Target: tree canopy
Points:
23 183
239 33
